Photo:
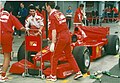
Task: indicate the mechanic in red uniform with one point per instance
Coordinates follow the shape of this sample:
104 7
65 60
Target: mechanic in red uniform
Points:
7 21
79 15
78 19
34 20
60 37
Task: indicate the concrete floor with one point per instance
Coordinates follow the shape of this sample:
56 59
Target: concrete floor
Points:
104 63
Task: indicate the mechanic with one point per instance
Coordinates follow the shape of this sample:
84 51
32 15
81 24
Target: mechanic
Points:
78 19
22 13
60 36
7 21
34 20
79 15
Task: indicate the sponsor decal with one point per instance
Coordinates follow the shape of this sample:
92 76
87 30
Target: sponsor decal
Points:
44 51
97 49
33 43
67 73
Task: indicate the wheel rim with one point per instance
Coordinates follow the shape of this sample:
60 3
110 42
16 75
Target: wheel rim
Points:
117 45
87 58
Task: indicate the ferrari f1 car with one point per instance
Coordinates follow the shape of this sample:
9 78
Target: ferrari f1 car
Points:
96 43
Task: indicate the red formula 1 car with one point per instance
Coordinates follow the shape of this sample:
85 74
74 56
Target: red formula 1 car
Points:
97 43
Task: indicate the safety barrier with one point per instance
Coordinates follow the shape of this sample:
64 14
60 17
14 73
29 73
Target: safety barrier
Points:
103 20
97 21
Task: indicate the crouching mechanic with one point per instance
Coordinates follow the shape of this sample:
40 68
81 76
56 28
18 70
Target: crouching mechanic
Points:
60 37
34 21
7 21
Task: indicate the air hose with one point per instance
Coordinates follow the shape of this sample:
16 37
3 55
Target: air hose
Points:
95 75
109 74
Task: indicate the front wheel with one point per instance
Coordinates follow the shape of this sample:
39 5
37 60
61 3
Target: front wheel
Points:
21 51
82 57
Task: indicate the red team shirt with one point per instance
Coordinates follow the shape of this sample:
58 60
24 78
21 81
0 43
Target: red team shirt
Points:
7 21
34 22
56 21
78 16
37 21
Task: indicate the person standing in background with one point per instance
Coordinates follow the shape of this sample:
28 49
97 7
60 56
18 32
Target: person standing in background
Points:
69 13
22 14
79 16
115 12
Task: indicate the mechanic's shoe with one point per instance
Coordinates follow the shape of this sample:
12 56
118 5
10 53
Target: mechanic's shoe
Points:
3 79
78 75
51 78
0 70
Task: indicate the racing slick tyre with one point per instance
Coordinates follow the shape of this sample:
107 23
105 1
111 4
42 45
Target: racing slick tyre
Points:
21 51
112 46
82 57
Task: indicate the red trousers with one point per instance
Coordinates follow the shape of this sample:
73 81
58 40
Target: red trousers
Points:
6 42
63 44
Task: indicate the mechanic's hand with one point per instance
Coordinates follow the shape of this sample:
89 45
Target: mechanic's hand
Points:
18 16
27 29
36 34
83 24
40 31
52 46
48 39
85 17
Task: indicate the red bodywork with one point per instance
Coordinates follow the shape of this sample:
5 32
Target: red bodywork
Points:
96 38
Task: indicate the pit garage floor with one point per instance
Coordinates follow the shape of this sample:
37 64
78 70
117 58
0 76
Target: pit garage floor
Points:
104 63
